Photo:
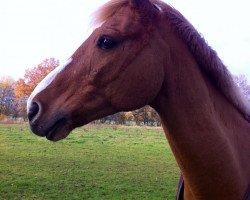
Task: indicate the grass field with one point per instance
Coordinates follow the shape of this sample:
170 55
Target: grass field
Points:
92 163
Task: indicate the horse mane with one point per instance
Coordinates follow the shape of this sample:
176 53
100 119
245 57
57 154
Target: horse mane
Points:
207 59
205 56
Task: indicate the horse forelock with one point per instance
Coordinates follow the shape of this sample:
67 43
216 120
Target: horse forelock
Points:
107 10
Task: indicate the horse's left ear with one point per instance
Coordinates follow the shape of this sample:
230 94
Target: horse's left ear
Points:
140 3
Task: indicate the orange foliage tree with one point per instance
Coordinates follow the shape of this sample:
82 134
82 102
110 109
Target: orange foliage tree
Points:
24 86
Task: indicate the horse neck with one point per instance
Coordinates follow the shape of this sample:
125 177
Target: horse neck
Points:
209 138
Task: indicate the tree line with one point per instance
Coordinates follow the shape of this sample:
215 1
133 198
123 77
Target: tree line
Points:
14 96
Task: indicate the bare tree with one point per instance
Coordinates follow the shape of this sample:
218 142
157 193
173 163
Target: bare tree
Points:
8 105
241 81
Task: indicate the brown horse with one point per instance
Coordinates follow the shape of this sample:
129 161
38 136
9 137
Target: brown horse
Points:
144 52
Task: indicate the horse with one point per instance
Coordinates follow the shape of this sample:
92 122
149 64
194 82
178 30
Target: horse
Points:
145 52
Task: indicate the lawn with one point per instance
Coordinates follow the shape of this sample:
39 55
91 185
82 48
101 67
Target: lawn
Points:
92 163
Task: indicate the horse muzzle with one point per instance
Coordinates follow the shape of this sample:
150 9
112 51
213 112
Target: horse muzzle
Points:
54 127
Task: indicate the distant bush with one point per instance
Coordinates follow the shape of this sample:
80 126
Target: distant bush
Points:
3 117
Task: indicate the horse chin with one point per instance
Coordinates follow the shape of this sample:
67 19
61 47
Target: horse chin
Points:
58 131
54 130
57 135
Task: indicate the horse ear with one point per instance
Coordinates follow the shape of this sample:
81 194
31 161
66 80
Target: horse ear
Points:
139 3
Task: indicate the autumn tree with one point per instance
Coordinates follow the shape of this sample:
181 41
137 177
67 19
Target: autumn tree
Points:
33 76
143 116
146 115
118 118
241 82
129 116
8 106
25 85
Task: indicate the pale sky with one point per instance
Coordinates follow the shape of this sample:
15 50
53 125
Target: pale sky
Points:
32 30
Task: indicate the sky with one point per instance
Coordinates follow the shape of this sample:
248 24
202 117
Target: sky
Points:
33 30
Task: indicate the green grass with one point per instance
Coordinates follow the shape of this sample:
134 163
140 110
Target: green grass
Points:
92 163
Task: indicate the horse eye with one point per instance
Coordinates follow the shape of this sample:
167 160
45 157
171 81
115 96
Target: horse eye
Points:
105 42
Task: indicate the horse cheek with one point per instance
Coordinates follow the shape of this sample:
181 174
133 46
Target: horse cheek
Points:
137 86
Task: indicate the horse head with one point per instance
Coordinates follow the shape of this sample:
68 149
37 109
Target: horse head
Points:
118 68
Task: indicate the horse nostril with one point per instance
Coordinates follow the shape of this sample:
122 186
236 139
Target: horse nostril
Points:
33 111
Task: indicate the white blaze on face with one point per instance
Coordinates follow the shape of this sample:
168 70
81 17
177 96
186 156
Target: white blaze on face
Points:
46 82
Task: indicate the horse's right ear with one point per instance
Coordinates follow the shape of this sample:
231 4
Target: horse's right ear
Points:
139 3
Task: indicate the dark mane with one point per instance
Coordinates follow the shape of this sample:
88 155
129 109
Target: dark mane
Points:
205 56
